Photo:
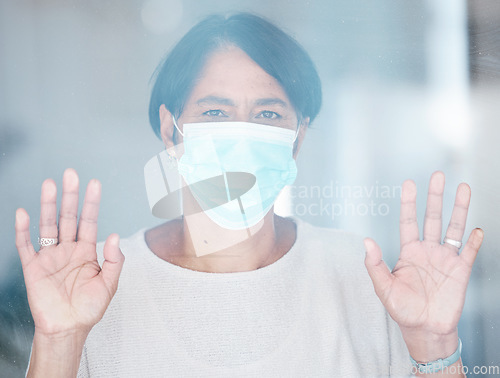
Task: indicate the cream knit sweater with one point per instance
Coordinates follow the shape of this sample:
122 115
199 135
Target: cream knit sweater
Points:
312 313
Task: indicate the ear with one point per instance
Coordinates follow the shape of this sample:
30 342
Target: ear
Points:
166 127
300 138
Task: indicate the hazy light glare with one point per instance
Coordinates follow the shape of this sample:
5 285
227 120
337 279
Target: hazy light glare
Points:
160 17
448 108
450 119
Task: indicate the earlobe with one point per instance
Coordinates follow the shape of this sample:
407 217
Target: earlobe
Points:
166 126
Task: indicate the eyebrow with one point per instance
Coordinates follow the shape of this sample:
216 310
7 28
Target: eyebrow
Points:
216 100
271 101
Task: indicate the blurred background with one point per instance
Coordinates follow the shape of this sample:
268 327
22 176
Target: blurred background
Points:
410 87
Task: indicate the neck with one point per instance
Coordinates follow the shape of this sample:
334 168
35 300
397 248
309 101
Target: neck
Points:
172 242
197 243
211 248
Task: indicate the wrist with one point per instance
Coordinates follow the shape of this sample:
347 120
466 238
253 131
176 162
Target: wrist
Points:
61 336
56 355
427 346
449 366
54 347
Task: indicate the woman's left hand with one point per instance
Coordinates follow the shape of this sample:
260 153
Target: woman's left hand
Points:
425 292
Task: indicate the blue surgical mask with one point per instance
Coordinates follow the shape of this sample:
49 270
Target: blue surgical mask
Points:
224 148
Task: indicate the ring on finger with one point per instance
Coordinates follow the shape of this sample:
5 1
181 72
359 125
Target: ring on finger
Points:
45 242
452 242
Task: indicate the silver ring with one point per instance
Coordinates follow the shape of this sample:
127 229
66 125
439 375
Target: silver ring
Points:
45 242
452 242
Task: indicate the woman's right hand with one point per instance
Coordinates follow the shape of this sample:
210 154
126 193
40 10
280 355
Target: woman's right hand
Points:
68 292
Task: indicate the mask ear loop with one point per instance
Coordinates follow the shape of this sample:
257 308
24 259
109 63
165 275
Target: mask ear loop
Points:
297 132
172 155
177 127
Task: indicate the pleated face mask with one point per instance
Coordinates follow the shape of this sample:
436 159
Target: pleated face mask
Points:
255 162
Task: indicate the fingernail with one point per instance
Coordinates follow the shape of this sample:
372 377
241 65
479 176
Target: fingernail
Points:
95 183
18 215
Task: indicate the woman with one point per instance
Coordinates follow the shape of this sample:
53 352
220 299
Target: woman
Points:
231 288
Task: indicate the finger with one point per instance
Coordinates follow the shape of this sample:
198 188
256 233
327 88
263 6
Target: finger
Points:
113 262
408 226
87 228
48 210
433 221
471 248
458 219
377 270
68 214
23 239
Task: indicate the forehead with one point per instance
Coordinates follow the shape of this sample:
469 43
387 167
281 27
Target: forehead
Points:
229 72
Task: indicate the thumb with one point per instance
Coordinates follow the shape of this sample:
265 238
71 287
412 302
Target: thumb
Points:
113 262
469 253
377 270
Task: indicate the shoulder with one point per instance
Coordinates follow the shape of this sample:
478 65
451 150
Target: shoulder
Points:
336 259
331 245
331 236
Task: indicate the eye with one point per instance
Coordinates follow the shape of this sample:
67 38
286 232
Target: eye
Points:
214 113
268 115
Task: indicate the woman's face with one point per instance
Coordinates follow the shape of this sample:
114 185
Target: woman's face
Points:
232 87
